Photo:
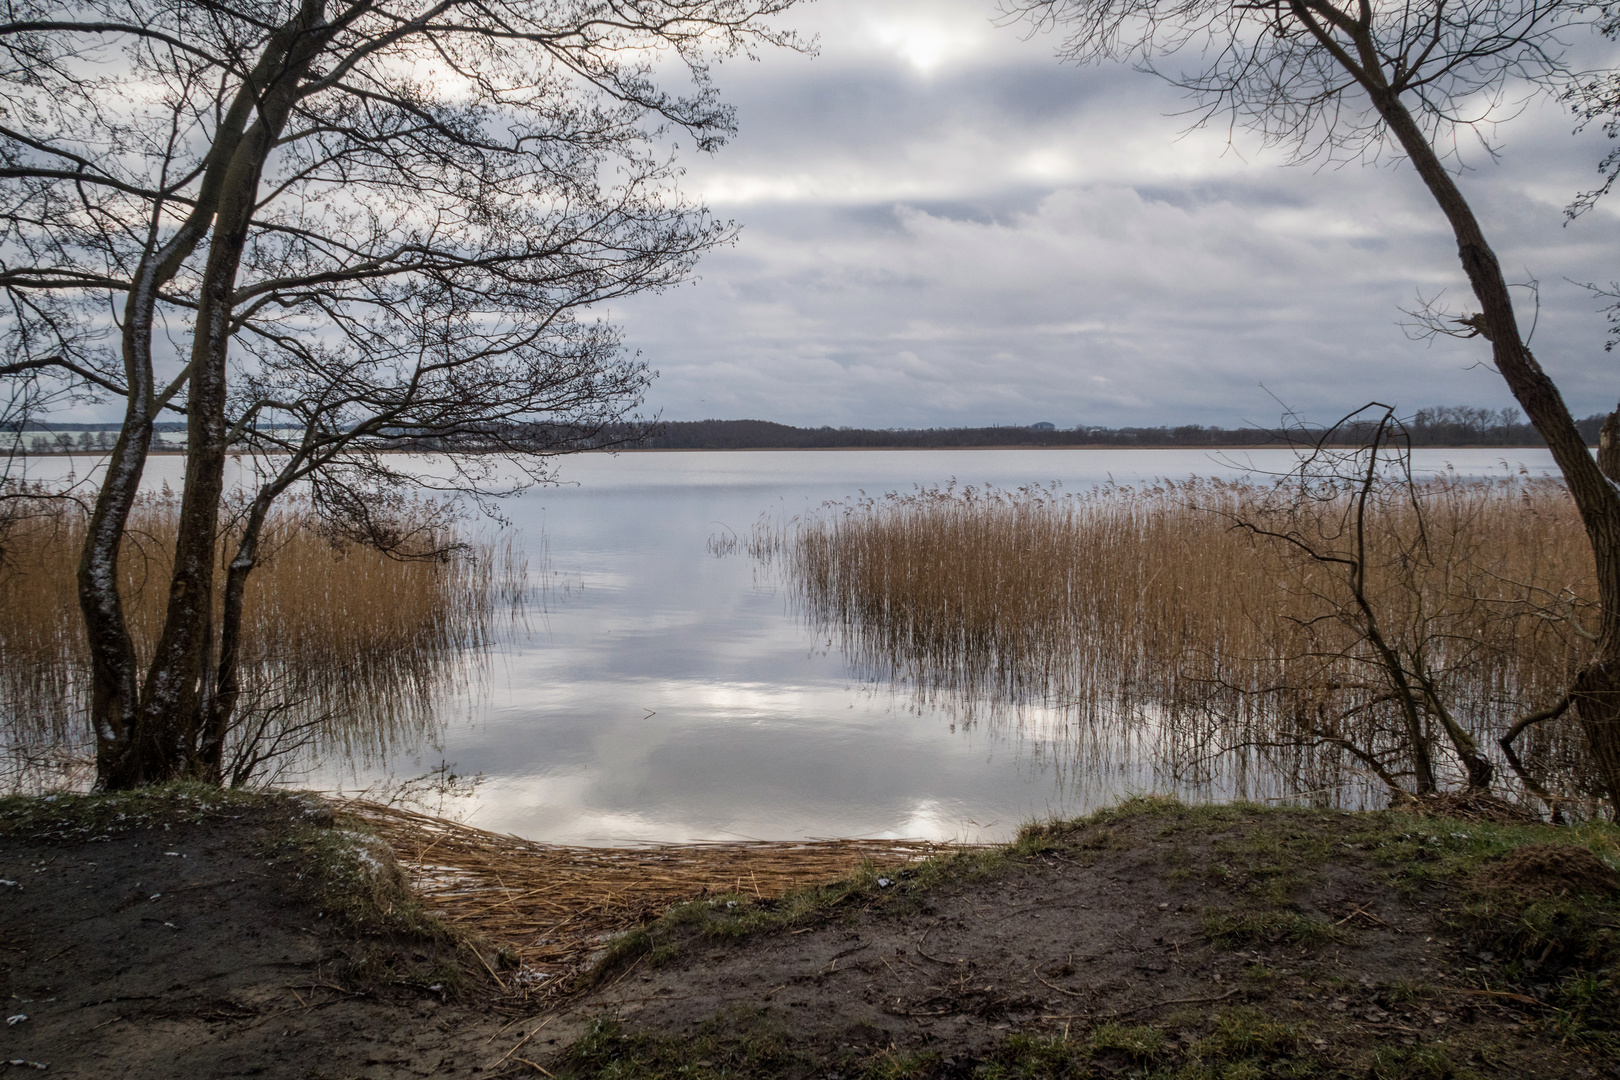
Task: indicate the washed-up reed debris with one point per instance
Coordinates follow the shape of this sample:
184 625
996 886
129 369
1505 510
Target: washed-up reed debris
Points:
1189 610
336 633
555 906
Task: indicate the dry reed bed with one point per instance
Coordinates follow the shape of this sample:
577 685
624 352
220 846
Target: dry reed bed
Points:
556 905
334 629
1161 601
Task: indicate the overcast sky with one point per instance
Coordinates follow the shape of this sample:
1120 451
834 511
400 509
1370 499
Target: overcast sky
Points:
944 225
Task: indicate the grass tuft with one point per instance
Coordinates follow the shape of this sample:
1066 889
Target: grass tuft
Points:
1235 929
1137 1042
1432 1062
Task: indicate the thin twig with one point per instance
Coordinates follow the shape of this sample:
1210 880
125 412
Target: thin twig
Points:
1172 1001
1370 915
523 1040
1036 971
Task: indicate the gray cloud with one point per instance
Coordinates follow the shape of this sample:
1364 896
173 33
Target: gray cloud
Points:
943 225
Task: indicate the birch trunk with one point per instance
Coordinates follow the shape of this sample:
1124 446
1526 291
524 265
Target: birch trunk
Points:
147 732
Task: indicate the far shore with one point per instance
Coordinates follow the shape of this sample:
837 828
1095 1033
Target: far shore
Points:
842 449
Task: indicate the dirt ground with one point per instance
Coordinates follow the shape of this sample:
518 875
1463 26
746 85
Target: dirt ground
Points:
182 942
1214 942
1156 941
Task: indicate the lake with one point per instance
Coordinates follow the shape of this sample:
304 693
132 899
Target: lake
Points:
655 692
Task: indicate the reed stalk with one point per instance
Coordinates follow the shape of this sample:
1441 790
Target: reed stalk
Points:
342 643
557 906
1158 606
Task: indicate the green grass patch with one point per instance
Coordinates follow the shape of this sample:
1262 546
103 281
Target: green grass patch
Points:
1235 929
1437 849
1432 1062
67 817
608 1052
1238 1044
1028 1057
1245 1033
1139 1042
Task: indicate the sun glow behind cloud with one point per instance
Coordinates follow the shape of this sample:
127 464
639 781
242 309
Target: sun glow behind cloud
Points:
928 41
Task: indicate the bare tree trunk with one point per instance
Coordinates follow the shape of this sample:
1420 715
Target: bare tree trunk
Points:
122 753
1478 767
156 733
227 689
114 684
173 698
1609 447
1596 692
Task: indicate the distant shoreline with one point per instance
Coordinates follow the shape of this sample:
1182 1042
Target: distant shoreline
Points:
845 449
840 449
1449 428
1012 446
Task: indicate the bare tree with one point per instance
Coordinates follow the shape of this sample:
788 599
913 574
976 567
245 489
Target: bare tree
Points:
319 229
1348 78
1595 97
1406 601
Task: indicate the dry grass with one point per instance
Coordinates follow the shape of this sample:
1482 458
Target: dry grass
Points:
1154 608
556 906
331 629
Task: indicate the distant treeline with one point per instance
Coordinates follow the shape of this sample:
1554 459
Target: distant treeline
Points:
1442 426
1448 426
49 425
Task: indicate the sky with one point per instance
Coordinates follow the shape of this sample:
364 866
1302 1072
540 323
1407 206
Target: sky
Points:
943 225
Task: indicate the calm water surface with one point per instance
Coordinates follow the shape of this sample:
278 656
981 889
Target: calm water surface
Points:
655 692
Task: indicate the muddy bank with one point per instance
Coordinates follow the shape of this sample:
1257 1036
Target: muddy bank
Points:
1156 940
192 933
1153 940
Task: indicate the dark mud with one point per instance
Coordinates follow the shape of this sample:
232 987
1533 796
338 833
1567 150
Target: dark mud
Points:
203 935
1161 941
213 937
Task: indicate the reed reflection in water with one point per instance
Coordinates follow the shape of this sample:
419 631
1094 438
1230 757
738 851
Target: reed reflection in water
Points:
347 652
1147 623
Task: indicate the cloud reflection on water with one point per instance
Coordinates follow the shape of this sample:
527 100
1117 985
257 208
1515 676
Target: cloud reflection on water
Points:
667 695
689 702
